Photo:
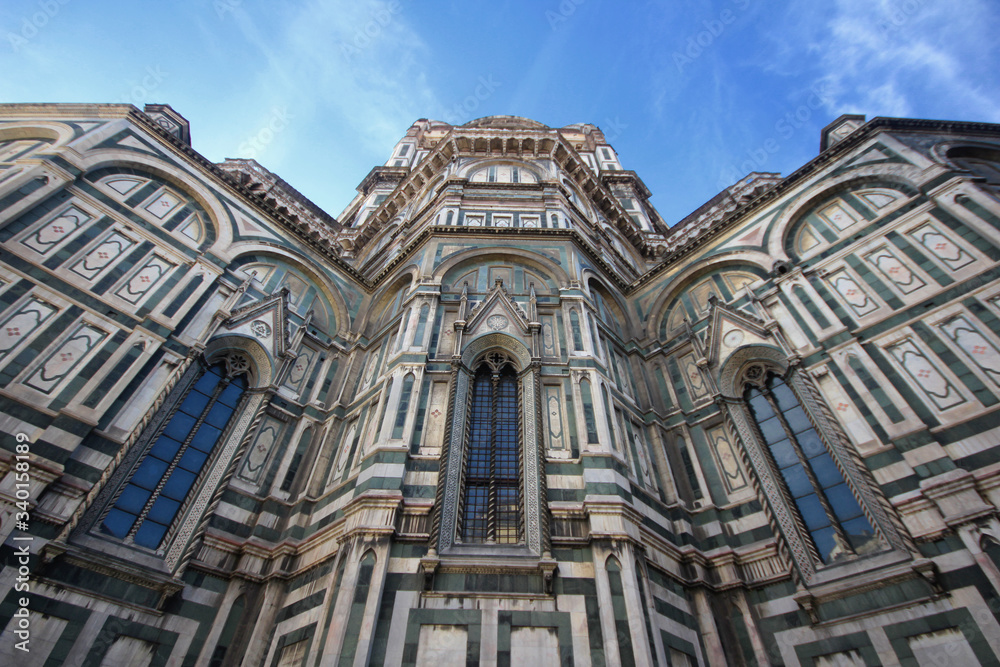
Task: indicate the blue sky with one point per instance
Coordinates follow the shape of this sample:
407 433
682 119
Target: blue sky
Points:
692 94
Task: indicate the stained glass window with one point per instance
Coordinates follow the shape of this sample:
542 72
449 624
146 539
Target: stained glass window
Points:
491 507
827 505
152 497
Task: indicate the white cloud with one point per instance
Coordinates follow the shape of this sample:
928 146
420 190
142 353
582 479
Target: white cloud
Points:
903 57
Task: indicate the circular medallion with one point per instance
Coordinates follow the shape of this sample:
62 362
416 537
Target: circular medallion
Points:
733 338
260 329
497 322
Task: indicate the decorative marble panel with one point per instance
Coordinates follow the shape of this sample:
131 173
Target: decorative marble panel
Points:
852 293
144 280
299 368
123 186
553 411
260 450
876 198
22 323
973 342
163 204
65 358
549 347
692 376
50 234
925 375
898 273
942 247
838 215
345 449
104 255
807 239
732 472
642 454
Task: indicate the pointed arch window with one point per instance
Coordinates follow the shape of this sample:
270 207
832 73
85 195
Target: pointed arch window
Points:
491 496
151 499
836 525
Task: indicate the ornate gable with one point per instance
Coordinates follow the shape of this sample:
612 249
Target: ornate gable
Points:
265 321
497 312
731 329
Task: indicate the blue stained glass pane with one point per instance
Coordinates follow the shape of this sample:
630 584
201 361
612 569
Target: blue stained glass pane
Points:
163 510
178 485
132 499
205 438
761 408
797 481
784 455
149 473
797 420
194 404
165 448
783 396
772 430
219 415
825 541
180 426
118 523
231 395
206 383
810 443
150 534
826 471
812 512
845 505
859 531
193 460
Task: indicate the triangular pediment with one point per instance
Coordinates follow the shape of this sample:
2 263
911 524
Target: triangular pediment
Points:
731 329
265 320
497 312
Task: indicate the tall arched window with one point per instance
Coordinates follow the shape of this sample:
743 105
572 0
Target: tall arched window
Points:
150 500
832 516
491 499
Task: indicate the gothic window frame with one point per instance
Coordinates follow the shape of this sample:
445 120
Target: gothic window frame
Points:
491 466
753 365
533 542
238 360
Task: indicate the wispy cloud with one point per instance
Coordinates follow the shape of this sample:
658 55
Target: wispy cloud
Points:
889 57
359 63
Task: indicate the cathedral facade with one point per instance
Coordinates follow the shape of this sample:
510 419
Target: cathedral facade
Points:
498 411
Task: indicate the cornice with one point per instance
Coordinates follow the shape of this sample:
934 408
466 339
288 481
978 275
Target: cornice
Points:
796 178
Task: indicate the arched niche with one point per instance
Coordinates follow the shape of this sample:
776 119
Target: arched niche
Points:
689 297
454 271
501 171
274 267
610 309
840 208
387 303
99 164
